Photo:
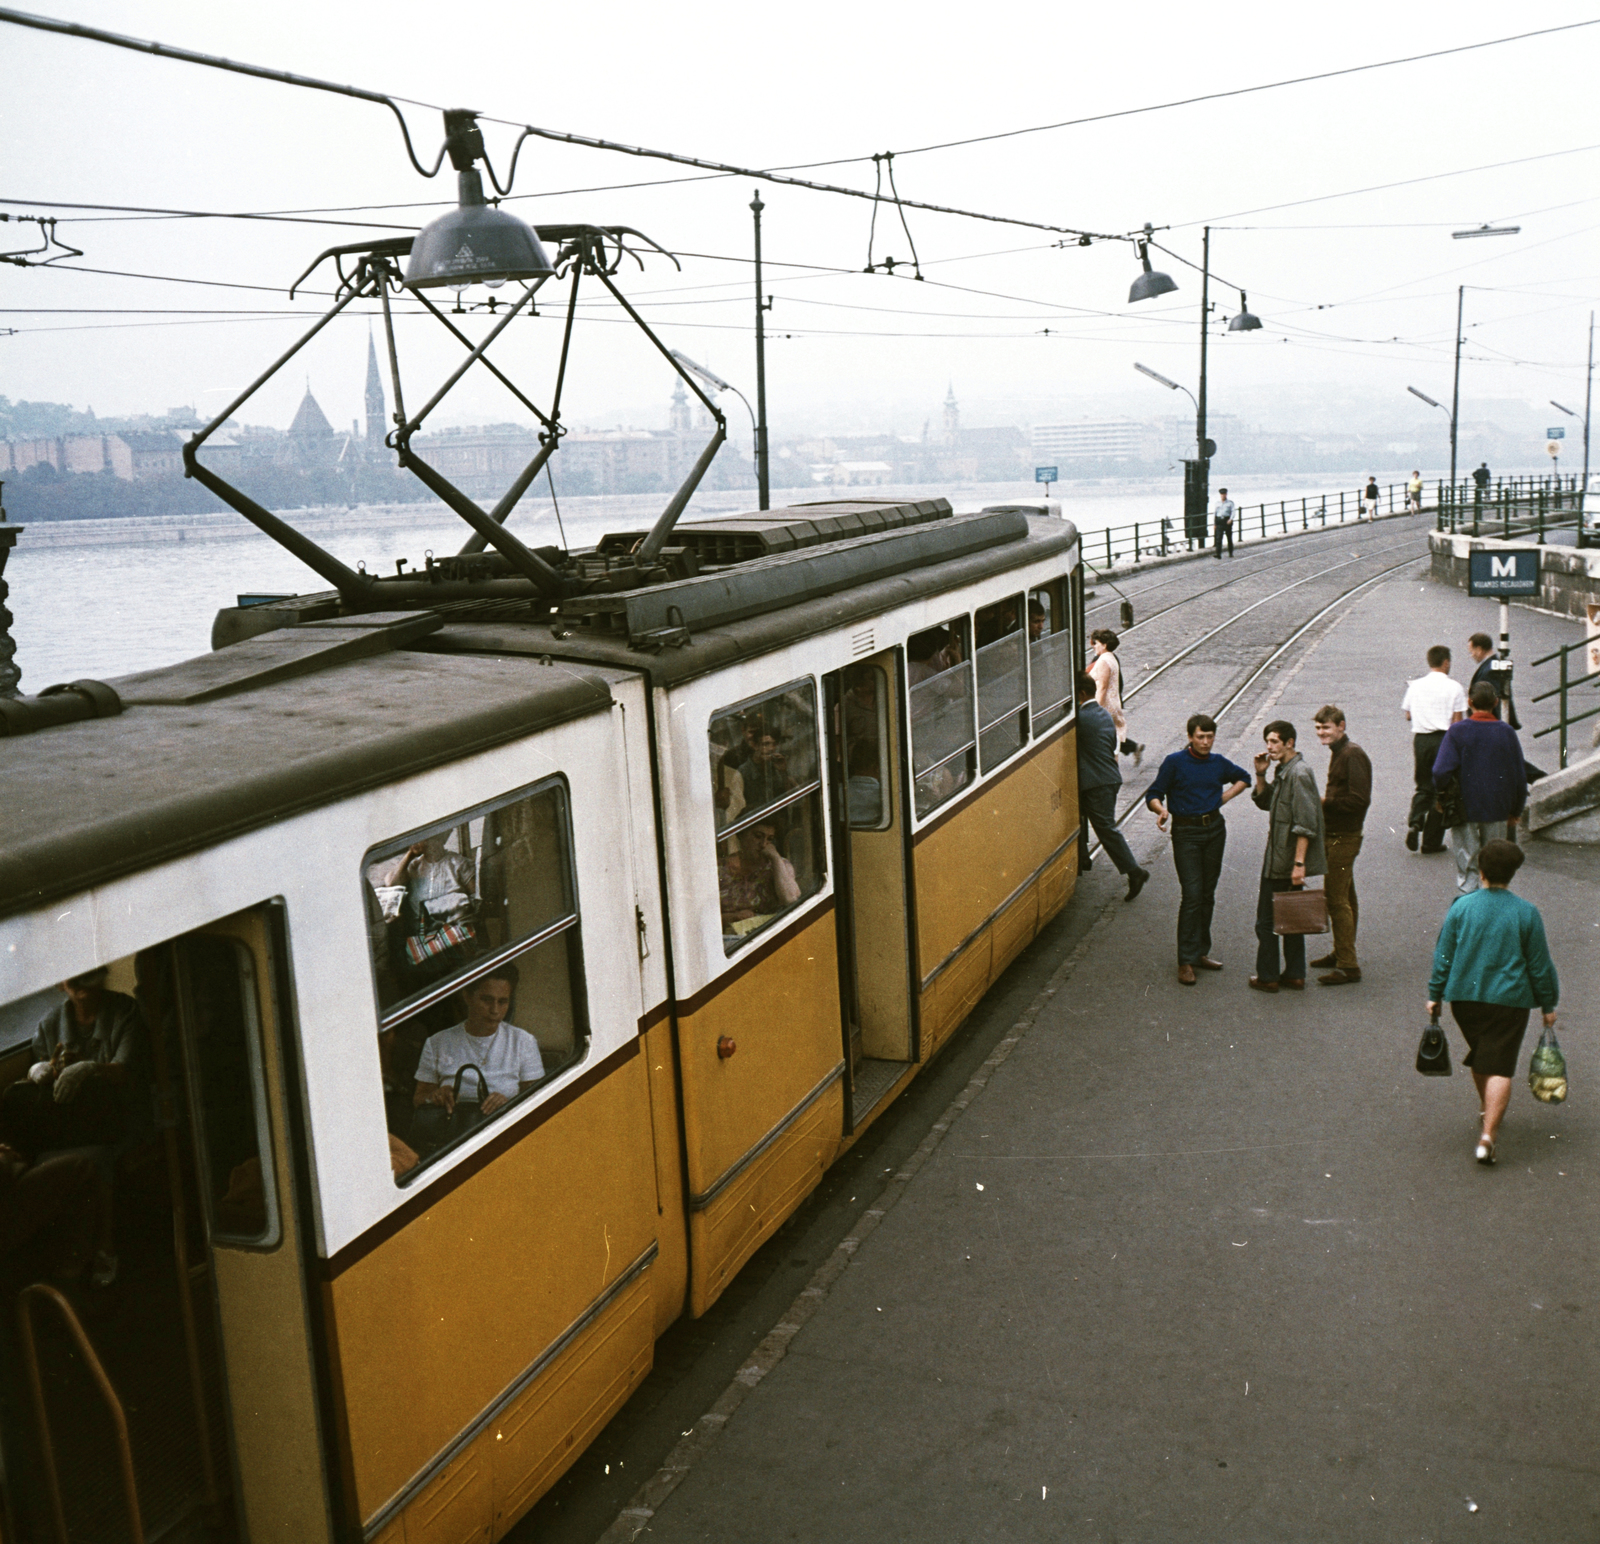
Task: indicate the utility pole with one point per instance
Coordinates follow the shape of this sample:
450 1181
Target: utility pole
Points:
1455 394
1205 306
1588 394
762 306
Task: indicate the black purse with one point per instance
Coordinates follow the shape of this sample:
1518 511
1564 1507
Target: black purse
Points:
1433 1054
1452 808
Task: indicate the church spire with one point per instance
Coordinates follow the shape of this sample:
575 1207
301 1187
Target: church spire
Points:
375 410
952 417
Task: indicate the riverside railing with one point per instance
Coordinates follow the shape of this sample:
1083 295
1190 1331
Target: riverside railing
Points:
1511 506
1564 688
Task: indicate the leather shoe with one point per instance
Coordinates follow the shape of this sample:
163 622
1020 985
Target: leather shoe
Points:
1205 962
1137 880
1258 985
1186 975
1411 840
1327 962
1340 976
1292 983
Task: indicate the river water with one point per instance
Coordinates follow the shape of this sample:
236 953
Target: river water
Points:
104 598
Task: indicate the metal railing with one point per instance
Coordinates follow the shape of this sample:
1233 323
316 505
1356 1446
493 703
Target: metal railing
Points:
1251 522
1563 689
40 1293
1510 506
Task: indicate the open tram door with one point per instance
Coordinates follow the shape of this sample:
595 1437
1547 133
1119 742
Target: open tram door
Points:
873 900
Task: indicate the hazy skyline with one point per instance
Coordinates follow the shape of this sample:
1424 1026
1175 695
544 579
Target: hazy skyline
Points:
1357 293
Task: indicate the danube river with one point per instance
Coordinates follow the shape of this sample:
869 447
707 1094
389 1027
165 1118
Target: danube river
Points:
104 598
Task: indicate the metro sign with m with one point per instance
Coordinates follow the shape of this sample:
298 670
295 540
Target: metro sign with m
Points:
1502 574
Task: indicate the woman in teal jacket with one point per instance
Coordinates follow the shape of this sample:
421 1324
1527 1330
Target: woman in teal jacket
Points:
1492 966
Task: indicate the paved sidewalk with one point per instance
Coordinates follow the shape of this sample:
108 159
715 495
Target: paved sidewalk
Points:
1201 1264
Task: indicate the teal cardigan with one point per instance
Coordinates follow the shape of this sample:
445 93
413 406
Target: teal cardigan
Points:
1492 950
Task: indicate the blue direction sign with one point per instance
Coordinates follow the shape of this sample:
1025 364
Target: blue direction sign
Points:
1557 433
1504 573
1044 474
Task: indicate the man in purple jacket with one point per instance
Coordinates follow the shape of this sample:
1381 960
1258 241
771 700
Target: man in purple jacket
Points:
1486 756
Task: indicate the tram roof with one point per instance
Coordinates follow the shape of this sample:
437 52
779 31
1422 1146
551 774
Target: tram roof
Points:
200 754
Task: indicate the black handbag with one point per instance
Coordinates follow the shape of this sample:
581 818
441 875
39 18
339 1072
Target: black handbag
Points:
467 1113
1433 1054
1452 808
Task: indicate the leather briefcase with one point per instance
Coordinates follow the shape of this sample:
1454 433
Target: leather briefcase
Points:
1299 911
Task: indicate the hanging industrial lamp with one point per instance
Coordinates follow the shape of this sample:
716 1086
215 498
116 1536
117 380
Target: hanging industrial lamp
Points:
1149 283
1244 321
475 243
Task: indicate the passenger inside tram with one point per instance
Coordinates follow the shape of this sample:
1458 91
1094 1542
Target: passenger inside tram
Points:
756 882
474 1069
427 897
766 775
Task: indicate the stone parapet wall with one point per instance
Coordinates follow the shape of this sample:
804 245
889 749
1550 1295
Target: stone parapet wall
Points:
1569 579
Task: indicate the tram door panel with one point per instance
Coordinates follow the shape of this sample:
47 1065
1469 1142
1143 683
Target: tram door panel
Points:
865 767
234 1033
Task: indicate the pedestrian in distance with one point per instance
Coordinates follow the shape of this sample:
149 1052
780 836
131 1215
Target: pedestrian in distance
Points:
1492 965
1099 778
1481 477
1106 669
1345 803
1372 497
1223 520
1296 851
1414 494
1432 703
1190 790
1485 757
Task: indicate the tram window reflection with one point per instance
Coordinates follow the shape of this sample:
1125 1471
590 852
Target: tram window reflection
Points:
943 734
1050 655
866 746
1002 664
445 898
767 807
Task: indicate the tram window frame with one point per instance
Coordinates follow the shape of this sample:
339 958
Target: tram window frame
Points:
1003 729
1059 636
199 1072
880 740
804 799
560 930
927 795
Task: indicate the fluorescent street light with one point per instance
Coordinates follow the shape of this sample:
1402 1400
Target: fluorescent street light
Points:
1146 370
1486 230
1567 410
715 382
1425 397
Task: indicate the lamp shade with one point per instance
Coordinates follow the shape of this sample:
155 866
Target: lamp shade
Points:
1149 283
1244 321
475 243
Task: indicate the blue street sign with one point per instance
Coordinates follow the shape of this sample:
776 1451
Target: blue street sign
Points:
1558 433
1502 573
1044 474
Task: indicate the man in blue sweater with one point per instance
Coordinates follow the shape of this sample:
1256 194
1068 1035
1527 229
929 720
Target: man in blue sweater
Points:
1190 790
1099 778
1486 756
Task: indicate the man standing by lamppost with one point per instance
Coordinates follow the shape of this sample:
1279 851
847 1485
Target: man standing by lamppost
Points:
1224 522
1344 809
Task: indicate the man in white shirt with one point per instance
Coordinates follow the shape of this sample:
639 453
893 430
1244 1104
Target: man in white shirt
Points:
1222 520
1432 703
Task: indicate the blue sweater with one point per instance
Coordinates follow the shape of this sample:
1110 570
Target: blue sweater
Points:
1492 950
1488 757
1193 785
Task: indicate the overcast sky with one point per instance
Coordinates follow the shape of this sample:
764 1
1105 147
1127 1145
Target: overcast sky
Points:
1357 293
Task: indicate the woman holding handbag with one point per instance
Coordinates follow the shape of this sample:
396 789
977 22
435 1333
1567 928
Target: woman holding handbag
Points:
1296 850
1492 965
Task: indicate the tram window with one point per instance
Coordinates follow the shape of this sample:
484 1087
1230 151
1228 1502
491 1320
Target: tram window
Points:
478 956
767 797
1050 655
943 740
1002 681
218 1009
866 747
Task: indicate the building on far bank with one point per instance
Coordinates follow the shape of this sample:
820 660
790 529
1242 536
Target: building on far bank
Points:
1105 440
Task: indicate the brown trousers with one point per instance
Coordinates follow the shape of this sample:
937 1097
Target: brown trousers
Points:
1344 911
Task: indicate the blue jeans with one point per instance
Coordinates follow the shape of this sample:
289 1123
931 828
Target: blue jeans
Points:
1294 944
1197 856
1099 806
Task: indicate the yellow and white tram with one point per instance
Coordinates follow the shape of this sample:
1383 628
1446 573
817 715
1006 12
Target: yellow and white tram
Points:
743 846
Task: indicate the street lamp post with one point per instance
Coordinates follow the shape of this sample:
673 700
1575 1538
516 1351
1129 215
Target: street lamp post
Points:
762 306
1588 397
1423 396
1455 391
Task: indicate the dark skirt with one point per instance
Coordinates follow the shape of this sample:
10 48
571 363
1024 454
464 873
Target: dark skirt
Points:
1494 1033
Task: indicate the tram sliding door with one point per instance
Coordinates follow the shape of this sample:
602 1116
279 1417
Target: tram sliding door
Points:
865 769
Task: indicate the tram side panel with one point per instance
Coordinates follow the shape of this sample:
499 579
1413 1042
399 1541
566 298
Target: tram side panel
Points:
490 1309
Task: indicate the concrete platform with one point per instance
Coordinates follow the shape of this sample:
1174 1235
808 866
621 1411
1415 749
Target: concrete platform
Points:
1200 1264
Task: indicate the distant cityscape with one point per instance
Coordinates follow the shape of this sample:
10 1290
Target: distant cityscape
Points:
60 463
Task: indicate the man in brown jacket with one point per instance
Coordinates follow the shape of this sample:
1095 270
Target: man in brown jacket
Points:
1344 808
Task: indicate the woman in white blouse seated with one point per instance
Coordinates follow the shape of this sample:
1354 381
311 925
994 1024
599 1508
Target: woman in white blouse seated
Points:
506 1058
